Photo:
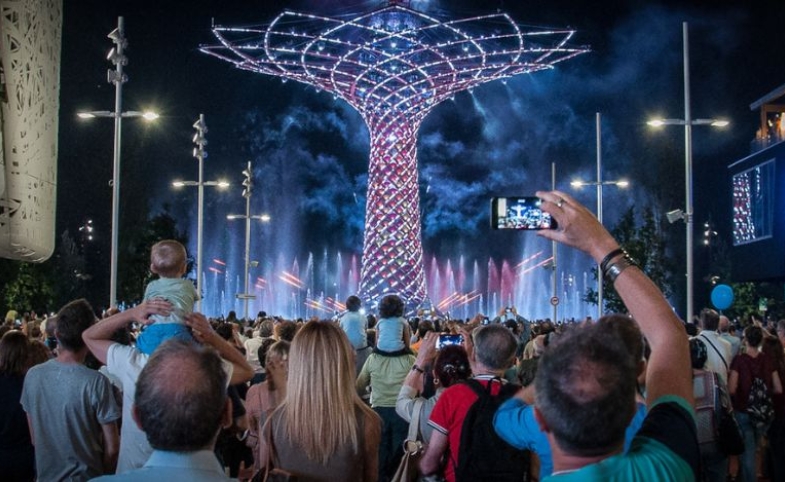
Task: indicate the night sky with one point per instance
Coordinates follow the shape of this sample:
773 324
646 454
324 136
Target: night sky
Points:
310 152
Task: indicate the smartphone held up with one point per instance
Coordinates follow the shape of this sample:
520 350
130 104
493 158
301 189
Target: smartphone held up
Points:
522 213
448 339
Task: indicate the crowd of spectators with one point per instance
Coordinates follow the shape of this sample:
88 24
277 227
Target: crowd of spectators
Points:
331 399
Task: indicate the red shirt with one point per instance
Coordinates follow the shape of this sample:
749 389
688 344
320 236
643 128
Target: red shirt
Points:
748 368
448 414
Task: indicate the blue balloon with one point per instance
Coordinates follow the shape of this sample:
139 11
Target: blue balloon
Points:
722 297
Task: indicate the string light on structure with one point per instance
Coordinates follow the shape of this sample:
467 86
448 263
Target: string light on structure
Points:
393 65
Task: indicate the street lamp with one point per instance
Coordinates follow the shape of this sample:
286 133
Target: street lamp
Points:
200 154
687 122
599 183
118 78
248 184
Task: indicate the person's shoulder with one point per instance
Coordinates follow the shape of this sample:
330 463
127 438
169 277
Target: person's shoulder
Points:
41 367
459 390
125 360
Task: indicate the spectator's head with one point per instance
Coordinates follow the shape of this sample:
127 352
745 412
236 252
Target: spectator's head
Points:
261 352
585 387
540 343
225 330
51 325
371 321
286 330
353 303
391 306
278 352
11 316
754 336
277 362
781 331
691 329
698 353
494 347
452 365
710 319
72 320
168 259
424 327
266 329
725 325
181 400
39 353
14 354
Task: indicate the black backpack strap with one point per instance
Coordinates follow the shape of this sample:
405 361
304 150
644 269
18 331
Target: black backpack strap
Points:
715 349
478 387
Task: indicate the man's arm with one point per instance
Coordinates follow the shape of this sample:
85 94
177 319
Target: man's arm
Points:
30 429
111 446
412 384
668 370
363 379
242 371
98 337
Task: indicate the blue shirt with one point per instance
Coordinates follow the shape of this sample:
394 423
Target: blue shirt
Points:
390 334
354 325
199 466
515 424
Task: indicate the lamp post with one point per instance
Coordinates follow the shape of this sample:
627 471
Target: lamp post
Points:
248 184
687 122
118 78
200 154
599 183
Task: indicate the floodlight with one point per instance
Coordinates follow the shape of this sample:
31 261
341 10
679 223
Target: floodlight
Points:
675 215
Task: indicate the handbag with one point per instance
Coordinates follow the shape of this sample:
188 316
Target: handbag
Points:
408 470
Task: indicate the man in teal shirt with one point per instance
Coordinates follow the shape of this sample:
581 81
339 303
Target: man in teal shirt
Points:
585 384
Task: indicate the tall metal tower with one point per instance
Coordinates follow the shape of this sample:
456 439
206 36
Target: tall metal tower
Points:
394 65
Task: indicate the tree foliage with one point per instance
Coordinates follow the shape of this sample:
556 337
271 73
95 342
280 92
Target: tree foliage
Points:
646 244
32 289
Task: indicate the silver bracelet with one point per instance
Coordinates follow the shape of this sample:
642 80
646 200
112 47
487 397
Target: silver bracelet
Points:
613 270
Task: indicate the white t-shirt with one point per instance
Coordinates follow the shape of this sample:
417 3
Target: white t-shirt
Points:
126 363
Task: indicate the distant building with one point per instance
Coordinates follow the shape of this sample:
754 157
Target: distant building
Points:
758 197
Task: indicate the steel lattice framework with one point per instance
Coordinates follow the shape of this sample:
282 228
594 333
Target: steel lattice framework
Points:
393 65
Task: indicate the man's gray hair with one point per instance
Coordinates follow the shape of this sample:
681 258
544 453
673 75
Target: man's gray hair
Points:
180 397
494 346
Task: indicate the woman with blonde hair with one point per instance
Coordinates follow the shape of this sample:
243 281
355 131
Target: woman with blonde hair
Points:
322 431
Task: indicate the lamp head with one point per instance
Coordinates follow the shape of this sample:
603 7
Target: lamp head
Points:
675 215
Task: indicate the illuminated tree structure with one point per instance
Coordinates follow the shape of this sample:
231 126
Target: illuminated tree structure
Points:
393 65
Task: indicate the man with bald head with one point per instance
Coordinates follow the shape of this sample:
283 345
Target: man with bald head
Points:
181 405
725 334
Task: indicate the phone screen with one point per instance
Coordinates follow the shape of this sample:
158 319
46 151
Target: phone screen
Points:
520 213
446 339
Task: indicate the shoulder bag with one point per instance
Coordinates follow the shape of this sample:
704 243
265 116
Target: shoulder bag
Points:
408 470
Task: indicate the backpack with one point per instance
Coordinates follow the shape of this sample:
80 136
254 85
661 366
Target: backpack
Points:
759 405
483 455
